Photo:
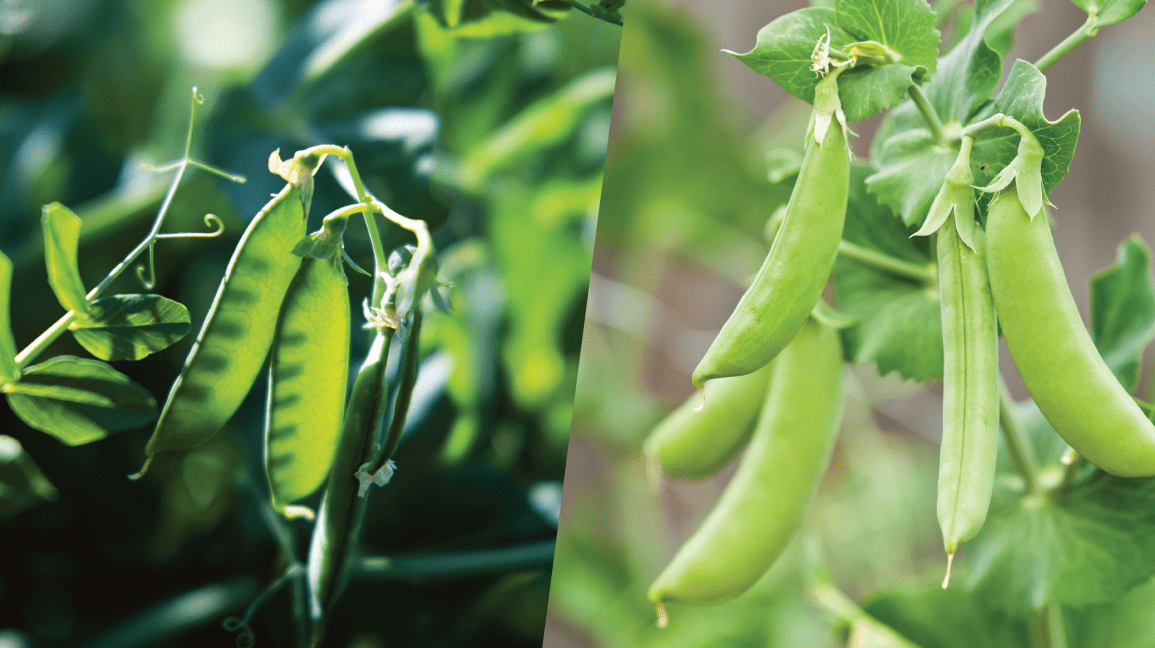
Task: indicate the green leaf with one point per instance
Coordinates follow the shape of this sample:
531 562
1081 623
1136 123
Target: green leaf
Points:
22 485
130 327
1123 310
904 26
489 18
1125 623
1000 33
78 400
9 371
783 51
1109 12
61 236
911 165
1021 97
544 124
952 618
900 327
1087 546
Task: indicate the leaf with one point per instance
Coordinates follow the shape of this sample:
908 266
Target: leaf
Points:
78 400
1021 97
999 35
1088 546
130 327
904 26
1109 12
952 618
9 371
487 18
544 124
900 327
783 51
1125 623
1123 311
911 165
61 236
21 483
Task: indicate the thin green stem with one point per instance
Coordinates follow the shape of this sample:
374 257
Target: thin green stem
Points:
1085 31
406 382
1018 443
923 273
928 113
1051 629
532 555
1071 462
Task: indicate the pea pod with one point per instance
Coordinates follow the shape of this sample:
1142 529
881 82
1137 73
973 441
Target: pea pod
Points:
696 441
970 411
1058 361
763 504
238 330
308 374
791 279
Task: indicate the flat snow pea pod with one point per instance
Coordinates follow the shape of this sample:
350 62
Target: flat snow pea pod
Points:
308 374
1073 387
791 279
763 504
238 330
970 411
695 441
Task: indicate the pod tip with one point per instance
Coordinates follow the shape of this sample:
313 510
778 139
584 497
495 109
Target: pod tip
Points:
949 561
702 394
663 618
143 469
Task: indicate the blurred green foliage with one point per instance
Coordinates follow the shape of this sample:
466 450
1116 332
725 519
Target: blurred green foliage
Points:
486 119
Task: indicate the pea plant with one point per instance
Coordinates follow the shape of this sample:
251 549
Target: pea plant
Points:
935 245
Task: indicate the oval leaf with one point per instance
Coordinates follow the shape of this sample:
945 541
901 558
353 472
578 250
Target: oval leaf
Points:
1109 12
130 327
61 237
1123 310
9 371
21 483
78 400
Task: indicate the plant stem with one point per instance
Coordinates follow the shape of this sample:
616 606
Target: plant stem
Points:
928 113
1051 628
1085 31
922 273
532 555
1018 443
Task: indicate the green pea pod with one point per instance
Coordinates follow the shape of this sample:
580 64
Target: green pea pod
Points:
697 440
238 330
339 519
1058 361
791 279
763 504
970 410
307 379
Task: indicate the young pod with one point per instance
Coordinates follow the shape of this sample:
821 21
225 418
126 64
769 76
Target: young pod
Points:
763 505
697 440
791 279
238 330
308 373
1058 361
970 410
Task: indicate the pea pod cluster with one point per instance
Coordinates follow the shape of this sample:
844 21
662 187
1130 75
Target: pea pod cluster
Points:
763 505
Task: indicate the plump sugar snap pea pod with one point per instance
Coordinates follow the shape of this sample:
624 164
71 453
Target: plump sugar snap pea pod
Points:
1073 387
238 330
762 506
308 374
696 441
970 410
791 279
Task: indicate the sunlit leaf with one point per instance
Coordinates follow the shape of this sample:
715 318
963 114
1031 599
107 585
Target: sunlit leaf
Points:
61 236
78 400
130 327
8 369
